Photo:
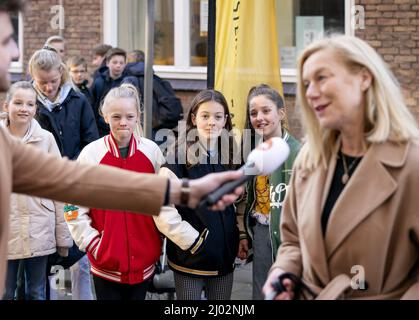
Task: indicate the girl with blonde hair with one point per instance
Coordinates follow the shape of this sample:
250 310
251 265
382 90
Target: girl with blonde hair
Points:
352 202
67 114
123 247
61 110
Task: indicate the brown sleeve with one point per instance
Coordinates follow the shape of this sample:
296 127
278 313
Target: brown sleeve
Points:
39 174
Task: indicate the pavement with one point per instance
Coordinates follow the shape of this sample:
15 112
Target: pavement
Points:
242 286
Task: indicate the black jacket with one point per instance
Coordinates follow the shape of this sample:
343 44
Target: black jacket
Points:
217 255
135 69
103 67
100 87
72 123
86 91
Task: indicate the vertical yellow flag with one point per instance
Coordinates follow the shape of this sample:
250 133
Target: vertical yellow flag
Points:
246 51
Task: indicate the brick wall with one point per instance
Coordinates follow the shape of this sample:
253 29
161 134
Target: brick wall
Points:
82 28
293 116
392 27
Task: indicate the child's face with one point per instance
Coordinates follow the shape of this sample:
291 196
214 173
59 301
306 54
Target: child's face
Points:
22 107
60 47
48 82
209 120
97 61
78 74
265 117
116 66
122 116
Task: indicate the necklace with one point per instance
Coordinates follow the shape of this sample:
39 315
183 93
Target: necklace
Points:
345 176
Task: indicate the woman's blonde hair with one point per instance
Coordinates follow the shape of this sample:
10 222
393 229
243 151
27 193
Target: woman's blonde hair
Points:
126 91
387 117
48 59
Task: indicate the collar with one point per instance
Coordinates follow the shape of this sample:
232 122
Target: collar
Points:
113 147
63 93
33 134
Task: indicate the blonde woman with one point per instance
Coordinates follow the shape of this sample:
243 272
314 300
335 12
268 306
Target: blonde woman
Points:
351 212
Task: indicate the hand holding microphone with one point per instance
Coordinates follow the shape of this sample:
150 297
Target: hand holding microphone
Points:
263 160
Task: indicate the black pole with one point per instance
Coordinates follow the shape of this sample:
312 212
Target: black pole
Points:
211 43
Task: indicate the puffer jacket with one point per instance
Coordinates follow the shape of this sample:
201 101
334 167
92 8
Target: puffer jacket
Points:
37 226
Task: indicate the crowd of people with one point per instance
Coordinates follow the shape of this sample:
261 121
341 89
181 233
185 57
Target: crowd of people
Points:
345 197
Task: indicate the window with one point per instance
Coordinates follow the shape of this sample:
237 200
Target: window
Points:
131 28
199 32
16 66
299 22
180 31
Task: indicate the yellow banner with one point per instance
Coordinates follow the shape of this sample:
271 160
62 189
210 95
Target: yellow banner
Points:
246 51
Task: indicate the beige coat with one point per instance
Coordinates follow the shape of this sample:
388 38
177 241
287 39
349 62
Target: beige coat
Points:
27 170
37 225
374 225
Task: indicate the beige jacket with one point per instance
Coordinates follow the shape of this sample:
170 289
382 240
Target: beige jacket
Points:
28 170
373 227
37 225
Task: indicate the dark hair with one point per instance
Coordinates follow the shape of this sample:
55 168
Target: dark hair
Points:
76 61
12 6
136 56
101 49
216 96
115 52
271 94
205 96
265 90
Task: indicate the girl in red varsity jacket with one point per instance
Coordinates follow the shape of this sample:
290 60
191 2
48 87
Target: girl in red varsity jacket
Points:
123 247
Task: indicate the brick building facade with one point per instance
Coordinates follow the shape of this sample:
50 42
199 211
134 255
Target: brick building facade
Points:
391 26
83 26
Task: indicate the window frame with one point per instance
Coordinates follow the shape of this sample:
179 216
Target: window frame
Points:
17 66
182 69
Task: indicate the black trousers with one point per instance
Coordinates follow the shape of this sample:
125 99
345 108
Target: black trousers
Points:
109 290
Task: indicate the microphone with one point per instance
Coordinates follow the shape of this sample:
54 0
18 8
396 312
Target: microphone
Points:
263 160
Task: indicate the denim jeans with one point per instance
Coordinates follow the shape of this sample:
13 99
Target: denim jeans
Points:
81 283
74 255
35 278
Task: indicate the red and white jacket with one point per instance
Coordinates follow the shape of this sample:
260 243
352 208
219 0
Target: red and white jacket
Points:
123 246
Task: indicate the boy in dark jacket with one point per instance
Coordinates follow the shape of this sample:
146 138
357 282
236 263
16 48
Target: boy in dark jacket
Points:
99 62
77 67
108 79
